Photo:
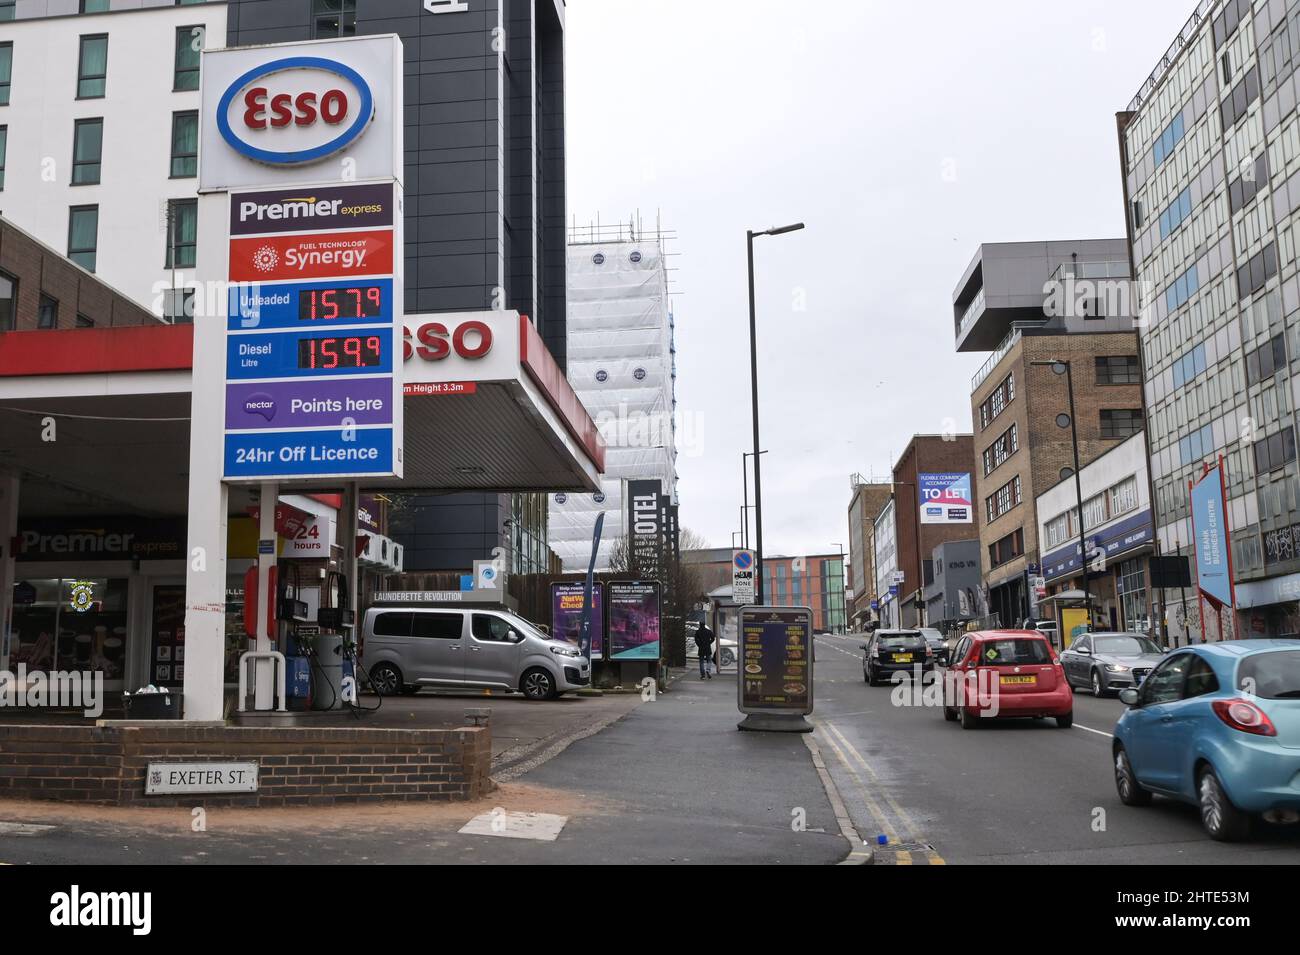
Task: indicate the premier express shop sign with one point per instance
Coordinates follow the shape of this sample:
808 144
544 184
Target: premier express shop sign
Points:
306 141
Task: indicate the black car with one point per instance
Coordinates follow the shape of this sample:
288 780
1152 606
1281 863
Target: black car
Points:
888 651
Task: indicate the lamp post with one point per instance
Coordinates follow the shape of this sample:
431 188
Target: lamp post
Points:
1062 367
845 607
753 380
744 480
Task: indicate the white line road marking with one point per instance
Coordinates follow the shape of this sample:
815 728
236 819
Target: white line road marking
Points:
23 829
1089 729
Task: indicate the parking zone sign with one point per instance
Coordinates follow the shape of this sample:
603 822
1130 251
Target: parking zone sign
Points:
742 576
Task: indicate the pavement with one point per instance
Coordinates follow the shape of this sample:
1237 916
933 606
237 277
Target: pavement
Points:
628 780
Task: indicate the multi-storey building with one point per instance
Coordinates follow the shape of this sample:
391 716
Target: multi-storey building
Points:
934 490
815 581
1033 304
1209 151
869 497
99 156
885 541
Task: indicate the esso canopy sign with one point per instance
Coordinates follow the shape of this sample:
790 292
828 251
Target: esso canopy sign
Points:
294 110
272 113
461 346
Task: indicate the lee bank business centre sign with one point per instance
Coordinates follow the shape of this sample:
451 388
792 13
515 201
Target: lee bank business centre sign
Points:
305 141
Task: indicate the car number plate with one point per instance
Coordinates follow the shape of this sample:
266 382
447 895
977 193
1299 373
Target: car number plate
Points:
1018 679
902 658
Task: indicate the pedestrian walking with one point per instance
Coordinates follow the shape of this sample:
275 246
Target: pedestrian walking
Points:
704 645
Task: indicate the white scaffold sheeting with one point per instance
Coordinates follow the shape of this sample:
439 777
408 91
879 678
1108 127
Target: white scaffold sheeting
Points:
620 363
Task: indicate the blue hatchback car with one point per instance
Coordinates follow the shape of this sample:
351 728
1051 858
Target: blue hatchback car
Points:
1216 725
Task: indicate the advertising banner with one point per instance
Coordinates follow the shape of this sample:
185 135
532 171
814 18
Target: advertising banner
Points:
566 615
320 207
946 498
776 668
645 525
633 620
1210 527
329 255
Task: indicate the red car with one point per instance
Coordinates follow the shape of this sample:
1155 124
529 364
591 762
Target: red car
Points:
1005 674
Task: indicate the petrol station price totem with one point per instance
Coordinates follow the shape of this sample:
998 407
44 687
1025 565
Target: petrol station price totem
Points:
298 384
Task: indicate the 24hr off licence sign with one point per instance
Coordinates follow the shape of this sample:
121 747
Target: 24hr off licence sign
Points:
311 341
776 671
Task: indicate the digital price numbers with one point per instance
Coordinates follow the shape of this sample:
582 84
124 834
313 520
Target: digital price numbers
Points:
343 351
343 303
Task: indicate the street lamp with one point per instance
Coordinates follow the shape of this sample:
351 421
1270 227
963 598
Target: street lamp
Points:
753 380
744 480
845 604
1062 367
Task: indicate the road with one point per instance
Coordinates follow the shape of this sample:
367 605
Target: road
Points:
1014 791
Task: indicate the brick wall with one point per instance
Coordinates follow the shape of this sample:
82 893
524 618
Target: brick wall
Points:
297 766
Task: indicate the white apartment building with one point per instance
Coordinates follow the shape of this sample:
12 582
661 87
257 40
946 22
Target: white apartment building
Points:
886 546
99 135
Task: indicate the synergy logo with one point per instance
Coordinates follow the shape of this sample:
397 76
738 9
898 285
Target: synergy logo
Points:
338 254
298 109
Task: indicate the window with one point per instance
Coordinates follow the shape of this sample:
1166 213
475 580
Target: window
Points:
1123 497
1138 218
1262 266
8 301
1177 213
1164 145
1119 370
1008 548
83 231
393 624
87 150
1165 684
47 312
1196 445
1234 107
1183 288
997 402
333 18
189 41
1094 512
1189 365
1006 445
94 6
1275 451
6 10
178 305
1200 679
4 147
1058 530
1003 499
1267 360
84 321
92 66
437 626
182 233
185 144
6 70
1242 190
490 628
1120 423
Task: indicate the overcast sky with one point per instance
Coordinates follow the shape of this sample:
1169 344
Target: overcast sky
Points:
903 143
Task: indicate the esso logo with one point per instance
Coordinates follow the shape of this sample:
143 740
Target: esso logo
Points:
434 341
299 109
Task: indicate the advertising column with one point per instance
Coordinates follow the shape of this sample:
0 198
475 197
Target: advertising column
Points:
300 226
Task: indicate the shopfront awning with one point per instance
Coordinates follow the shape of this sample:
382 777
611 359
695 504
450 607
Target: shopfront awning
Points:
96 421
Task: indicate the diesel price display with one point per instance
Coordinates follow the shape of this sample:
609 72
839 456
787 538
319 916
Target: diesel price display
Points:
341 351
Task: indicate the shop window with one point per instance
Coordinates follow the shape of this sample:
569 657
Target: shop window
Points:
189 43
87 151
83 235
185 144
92 66
73 624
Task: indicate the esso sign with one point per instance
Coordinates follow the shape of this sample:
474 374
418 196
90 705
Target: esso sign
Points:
294 110
434 341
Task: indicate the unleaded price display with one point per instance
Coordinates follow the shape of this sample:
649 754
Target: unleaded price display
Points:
776 660
347 302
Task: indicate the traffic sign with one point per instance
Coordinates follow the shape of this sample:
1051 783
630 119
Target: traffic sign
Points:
742 577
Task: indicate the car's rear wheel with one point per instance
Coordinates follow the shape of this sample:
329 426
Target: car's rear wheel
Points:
1066 721
968 719
1130 790
386 679
1223 821
537 684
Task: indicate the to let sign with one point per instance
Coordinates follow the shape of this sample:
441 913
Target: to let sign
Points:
167 779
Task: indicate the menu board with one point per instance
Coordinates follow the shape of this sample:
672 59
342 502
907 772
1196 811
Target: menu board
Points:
776 670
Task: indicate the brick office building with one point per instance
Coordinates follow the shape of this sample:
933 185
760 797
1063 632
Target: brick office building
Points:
1020 450
926 454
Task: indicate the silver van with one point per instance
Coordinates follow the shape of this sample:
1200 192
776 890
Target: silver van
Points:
405 648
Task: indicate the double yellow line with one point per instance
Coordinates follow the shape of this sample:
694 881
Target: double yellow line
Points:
852 761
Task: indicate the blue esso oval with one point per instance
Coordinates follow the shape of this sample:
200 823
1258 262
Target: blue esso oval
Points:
301 100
